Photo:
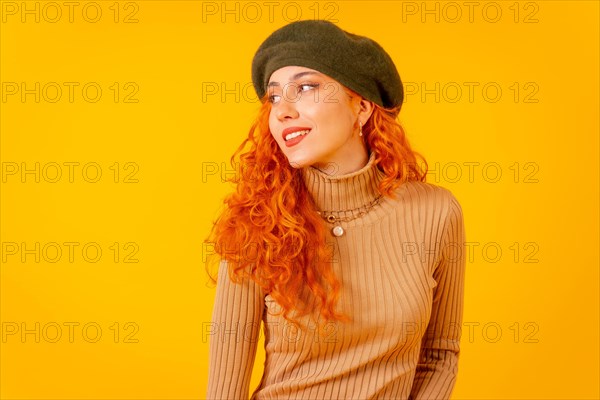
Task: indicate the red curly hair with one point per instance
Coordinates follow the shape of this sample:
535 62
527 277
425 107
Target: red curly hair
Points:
269 231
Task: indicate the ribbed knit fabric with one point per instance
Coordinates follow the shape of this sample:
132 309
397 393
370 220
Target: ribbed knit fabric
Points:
402 267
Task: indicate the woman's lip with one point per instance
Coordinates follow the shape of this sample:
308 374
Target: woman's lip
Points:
293 129
296 140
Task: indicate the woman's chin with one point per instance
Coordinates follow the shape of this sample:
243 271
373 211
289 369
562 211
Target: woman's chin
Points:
298 164
298 161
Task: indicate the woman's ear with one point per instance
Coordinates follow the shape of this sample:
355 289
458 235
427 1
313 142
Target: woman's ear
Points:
365 110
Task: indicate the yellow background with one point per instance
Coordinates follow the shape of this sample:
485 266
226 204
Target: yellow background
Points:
173 128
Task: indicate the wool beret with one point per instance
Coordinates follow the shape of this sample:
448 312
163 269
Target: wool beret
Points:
357 62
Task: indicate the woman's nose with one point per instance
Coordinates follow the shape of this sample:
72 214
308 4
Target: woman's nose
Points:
287 107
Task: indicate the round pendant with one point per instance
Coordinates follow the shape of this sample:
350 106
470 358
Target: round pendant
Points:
337 231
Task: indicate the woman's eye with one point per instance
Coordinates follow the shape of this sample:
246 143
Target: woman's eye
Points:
309 85
274 98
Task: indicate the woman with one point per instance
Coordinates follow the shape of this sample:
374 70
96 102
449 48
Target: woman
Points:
332 222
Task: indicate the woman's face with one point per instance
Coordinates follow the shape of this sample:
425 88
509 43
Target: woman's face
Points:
303 99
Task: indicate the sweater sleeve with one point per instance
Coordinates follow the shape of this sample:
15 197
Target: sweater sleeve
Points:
438 361
234 332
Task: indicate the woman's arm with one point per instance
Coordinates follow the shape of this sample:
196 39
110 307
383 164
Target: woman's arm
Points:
235 328
438 363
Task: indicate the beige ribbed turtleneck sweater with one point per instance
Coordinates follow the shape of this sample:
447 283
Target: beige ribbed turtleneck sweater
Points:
402 267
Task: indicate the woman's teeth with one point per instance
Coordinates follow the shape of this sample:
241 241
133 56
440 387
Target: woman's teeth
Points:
296 134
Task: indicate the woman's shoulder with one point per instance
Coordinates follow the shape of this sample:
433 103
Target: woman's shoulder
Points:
427 195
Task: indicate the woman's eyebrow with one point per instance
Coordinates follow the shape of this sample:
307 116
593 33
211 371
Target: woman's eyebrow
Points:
296 76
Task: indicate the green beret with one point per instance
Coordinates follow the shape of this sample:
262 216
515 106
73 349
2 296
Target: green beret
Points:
357 62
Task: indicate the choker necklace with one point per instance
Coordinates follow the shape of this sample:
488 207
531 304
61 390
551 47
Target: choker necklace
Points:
337 230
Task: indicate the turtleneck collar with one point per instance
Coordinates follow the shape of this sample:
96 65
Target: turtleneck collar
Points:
346 192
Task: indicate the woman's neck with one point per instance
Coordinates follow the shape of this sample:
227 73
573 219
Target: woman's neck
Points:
346 192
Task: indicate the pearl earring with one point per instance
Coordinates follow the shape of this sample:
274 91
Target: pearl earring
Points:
360 133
